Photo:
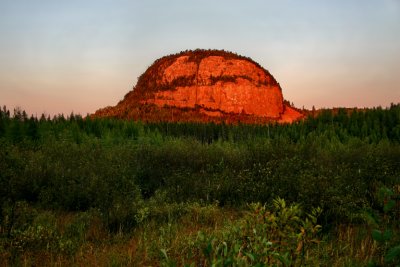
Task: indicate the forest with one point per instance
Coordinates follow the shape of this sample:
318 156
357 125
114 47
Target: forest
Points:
79 191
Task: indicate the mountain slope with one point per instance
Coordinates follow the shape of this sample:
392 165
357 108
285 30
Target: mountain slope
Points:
204 85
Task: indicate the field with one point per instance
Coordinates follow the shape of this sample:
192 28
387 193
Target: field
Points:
105 192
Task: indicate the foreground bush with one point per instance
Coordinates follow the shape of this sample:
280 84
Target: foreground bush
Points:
284 236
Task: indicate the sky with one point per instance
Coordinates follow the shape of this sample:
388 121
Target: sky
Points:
81 55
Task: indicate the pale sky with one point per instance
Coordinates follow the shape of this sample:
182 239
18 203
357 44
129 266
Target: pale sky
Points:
81 55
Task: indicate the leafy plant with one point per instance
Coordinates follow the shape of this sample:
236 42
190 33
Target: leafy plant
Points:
283 236
386 233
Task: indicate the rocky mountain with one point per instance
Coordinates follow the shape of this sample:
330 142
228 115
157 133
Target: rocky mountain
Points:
204 86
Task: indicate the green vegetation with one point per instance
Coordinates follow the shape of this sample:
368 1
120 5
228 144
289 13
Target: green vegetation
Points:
103 192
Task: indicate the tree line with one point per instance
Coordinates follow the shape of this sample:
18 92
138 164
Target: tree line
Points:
336 161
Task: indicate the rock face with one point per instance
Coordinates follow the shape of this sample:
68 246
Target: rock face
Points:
204 85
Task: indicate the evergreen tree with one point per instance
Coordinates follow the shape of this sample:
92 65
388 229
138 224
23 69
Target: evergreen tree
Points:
32 129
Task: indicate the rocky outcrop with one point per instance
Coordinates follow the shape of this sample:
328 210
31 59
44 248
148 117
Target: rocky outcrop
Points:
205 85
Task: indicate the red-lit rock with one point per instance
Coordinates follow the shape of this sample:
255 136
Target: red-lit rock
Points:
205 85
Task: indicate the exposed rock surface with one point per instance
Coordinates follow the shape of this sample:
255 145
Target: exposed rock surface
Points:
205 85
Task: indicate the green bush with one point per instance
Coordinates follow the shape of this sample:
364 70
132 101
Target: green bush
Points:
284 236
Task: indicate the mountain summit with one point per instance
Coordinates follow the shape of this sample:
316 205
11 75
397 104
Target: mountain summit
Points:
203 86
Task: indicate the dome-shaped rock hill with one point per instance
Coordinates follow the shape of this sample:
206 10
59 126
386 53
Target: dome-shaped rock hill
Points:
204 86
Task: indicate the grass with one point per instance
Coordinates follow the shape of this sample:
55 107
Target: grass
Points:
167 238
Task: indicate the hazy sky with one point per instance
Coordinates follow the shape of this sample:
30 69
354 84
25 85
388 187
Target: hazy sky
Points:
80 55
